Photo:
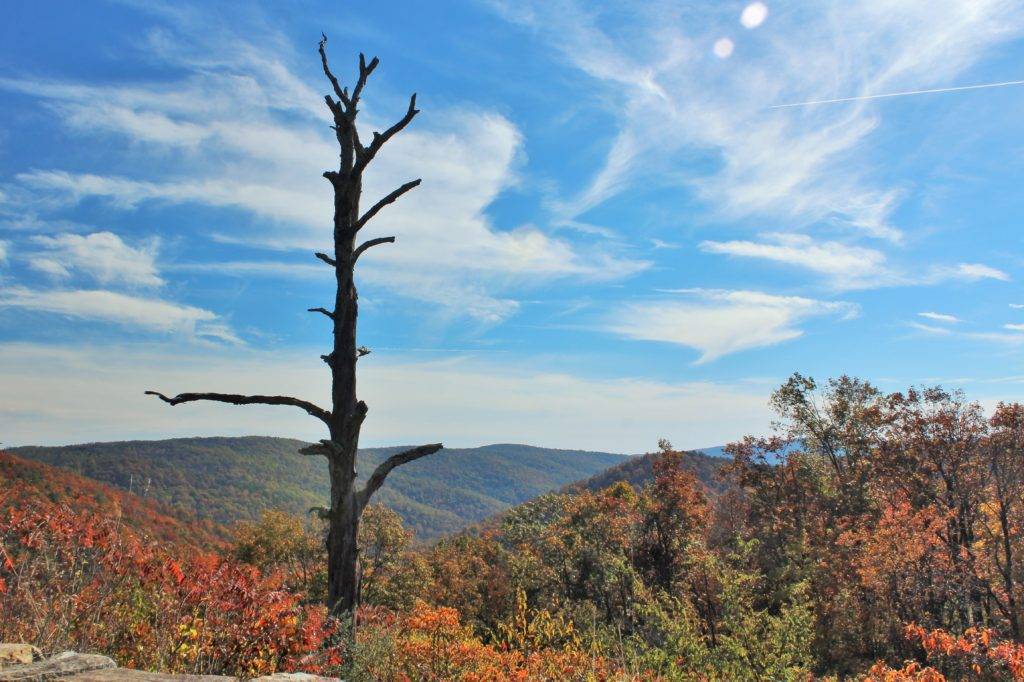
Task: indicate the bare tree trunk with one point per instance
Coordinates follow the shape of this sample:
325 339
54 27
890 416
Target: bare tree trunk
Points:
345 419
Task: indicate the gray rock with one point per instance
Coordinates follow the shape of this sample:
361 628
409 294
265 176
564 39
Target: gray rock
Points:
295 677
64 664
11 654
127 675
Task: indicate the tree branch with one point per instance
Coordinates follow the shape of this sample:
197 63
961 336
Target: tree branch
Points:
325 311
370 243
321 512
364 72
334 107
235 399
327 448
376 480
379 139
389 199
342 93
327 259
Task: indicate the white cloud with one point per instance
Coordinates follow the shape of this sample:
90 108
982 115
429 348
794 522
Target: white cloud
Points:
930 329
149 314
661 244
719 322
754 15
4 250
1014 327
49 266
103 256
848 267
1011 339
807 166
222 144
723 48
940 317
62 394
977 271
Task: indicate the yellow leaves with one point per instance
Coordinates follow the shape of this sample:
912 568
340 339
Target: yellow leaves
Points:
529 630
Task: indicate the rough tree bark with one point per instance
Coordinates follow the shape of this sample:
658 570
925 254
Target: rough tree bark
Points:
345 419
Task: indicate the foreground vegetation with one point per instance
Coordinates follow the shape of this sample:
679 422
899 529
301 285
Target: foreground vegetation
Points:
875 537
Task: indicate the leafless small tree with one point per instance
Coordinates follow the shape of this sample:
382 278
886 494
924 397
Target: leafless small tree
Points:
345 419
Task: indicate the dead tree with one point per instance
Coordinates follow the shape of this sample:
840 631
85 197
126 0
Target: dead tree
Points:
346 417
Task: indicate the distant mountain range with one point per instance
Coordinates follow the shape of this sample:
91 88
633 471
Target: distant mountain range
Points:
225 480
231 479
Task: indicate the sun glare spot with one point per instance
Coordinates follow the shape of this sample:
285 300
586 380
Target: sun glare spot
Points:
754 15
723 48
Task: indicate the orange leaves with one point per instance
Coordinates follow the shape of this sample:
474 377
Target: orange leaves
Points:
969 656
912 672
975 654
88 582
431 643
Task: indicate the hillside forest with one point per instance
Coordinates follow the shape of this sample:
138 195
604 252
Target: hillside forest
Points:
227 480
873 536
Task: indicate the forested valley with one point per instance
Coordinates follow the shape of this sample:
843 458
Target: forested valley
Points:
873 536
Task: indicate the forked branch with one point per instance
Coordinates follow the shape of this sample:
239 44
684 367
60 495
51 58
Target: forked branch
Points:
236 399
379 139
364 72
376 480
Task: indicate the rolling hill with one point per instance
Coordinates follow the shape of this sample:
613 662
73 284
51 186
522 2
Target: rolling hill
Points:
639 470
24 484
232 479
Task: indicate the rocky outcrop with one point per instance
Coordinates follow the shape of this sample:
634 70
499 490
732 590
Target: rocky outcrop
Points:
24 663
63 665
12 654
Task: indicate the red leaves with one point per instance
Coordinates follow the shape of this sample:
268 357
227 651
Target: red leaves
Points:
176 572
86 581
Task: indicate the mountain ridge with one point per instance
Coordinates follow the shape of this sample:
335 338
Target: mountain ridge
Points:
25 483
228 479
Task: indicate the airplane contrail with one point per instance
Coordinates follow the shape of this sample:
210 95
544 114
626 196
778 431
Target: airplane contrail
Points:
898 94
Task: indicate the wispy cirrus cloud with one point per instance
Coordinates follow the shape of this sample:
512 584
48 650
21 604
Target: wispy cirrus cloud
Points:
940 317
223 144
134 312
846 266
718 322
930 329
976 271
804 165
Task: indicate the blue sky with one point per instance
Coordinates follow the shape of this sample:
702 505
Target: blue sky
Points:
621 234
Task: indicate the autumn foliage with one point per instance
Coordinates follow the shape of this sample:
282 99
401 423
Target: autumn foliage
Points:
76 581
872 537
